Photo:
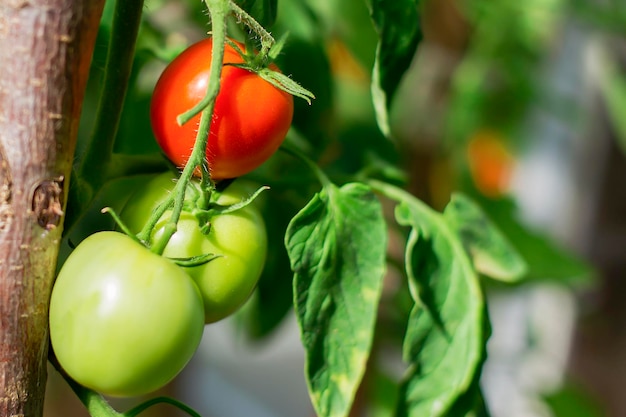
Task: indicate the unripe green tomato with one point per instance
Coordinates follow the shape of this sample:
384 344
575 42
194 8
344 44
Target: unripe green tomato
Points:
238 238
123 320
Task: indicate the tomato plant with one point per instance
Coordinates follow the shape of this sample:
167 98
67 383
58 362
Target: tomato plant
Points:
237 238
250 120
123 321
388 118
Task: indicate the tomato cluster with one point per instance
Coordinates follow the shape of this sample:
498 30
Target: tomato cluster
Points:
124 321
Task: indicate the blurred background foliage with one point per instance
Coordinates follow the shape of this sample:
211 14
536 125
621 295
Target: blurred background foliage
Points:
521 105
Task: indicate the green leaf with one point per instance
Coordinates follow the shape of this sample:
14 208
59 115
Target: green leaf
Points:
489 249
400 32
337 247
448 326
446 334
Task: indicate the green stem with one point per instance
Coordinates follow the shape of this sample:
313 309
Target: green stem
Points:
206 189
219 10
398 194
94 402
160 400
321 176
266 38
89 177
267 41
120 223
125 28
97 405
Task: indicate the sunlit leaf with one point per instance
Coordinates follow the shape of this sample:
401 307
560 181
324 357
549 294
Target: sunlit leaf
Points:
447 330
489 249
446 335
337 248
400 32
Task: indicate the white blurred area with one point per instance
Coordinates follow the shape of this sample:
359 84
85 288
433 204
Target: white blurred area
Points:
529 349
555 185
230 377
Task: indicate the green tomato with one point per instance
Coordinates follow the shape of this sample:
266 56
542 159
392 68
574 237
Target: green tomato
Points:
238 238
123 320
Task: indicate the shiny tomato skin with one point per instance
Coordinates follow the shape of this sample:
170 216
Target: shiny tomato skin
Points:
239 239
251 117
123 321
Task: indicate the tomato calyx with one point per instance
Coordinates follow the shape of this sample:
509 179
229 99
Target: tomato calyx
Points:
203 203
204 214
192 261
260 64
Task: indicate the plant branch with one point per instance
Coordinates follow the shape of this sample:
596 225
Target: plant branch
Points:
97 163
160 400
124 32
267 41
219 11
97 405
321 176
94 402
397 194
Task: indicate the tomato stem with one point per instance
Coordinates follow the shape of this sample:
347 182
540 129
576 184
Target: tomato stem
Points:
397 194
254 62
94 402
321 176
121 52
267 41
120 223
219 11
97 405
94 168
160 400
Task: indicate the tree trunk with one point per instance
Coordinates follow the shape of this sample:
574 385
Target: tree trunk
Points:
45 52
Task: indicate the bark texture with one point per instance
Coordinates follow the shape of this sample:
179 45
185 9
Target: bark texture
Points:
45 52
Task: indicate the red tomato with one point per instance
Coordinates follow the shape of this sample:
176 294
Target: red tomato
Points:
250 120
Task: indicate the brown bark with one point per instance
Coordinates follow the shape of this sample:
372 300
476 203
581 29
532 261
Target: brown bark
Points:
45 51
